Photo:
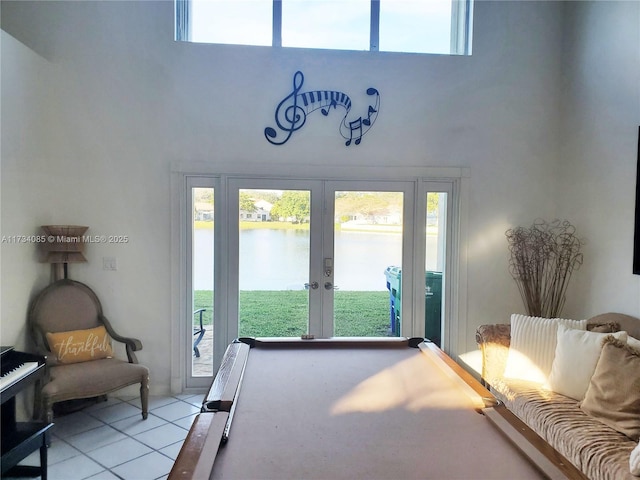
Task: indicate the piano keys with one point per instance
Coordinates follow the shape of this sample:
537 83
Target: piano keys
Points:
16 374
18 371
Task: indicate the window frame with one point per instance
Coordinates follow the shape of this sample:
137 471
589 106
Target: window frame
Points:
460 38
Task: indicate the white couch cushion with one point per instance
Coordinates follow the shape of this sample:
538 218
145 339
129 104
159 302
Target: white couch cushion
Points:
576 356
533 346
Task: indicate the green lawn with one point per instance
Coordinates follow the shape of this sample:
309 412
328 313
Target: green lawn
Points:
284 313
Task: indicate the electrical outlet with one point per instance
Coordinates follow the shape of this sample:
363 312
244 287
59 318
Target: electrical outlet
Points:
109 263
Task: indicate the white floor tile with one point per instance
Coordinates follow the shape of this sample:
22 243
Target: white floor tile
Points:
73 424
185 422
172 451
119 452
195 400
116 412
83 446
32 460
148 467
135 425
58 451
96 438
129 398
108 403
162 436
176 410
76 468
104 475
154 402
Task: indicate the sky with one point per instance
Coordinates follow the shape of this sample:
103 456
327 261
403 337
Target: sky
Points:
416 26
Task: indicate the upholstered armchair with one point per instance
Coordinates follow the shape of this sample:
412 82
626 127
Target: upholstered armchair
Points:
67 325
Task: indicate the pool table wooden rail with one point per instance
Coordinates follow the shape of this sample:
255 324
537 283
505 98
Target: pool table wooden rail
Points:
473 388
227 382
198 453
333 342
211 427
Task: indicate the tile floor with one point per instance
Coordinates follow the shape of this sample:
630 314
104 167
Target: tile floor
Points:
110 441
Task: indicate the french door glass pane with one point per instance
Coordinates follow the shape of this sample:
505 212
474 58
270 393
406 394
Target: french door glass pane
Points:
434 267
202 281
367 242
274 239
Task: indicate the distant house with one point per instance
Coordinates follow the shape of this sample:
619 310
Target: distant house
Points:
262 212
390 218
203 211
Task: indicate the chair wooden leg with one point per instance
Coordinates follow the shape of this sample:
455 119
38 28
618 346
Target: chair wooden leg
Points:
144 397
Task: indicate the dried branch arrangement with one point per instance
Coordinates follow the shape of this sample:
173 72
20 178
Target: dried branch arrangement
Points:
543 258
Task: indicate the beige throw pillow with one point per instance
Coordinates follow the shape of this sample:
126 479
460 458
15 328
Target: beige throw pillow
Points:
613 396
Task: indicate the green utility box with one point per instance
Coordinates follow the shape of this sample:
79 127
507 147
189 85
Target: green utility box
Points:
432 303
394 284
433 307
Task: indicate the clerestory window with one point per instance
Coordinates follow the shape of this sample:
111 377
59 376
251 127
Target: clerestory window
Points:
410 26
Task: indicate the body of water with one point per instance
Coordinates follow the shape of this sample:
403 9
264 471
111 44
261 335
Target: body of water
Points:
275 259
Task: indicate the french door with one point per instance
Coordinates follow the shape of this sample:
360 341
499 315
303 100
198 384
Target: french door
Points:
321 250
311 257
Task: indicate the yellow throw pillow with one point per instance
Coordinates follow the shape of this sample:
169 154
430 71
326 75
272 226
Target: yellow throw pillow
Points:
80 345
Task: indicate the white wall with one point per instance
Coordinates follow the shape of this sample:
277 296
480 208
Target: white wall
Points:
601 94
98 101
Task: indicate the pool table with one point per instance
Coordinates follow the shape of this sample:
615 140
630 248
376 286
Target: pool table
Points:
356 408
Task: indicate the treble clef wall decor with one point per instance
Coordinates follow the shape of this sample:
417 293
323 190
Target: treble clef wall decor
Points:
291 113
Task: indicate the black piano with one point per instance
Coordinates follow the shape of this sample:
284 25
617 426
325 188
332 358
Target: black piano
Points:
19 439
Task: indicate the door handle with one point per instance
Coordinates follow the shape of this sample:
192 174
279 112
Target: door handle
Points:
312 285
330 286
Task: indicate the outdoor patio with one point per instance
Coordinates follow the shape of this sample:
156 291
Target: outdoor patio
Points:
203 365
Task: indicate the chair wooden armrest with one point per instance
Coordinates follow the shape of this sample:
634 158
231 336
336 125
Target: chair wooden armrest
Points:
493 341
131 344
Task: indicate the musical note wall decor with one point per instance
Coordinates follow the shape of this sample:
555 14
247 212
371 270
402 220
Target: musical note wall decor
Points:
291 113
